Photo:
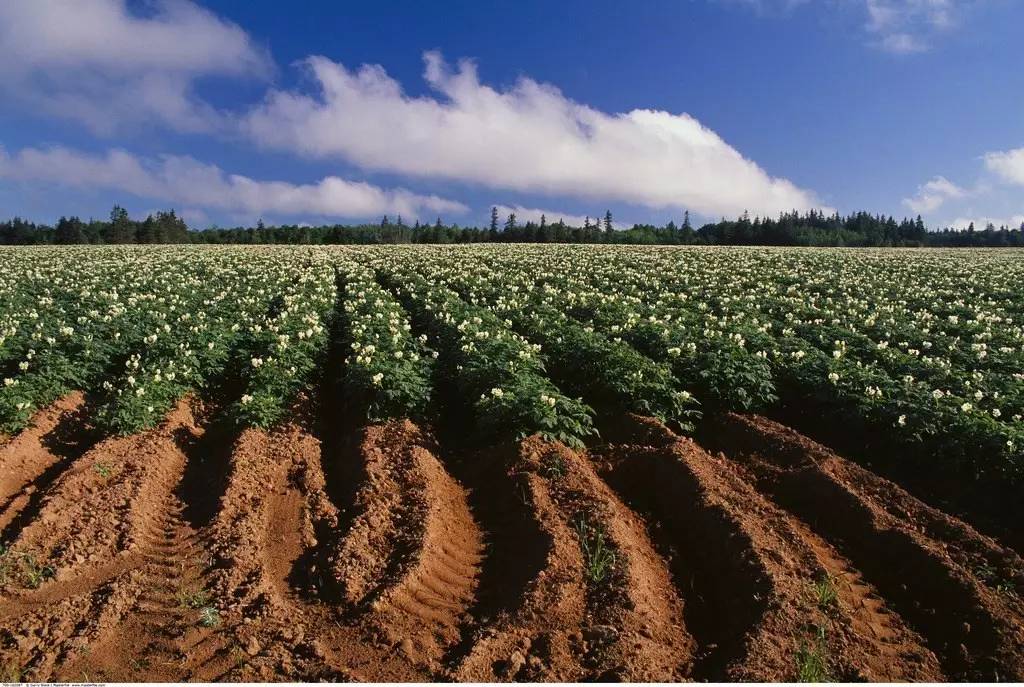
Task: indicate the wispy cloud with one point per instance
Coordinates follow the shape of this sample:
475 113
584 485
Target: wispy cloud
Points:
896 26
97 62
179 179
907 26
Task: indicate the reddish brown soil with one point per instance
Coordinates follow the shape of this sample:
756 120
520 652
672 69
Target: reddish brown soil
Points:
199 552
31 461
958 589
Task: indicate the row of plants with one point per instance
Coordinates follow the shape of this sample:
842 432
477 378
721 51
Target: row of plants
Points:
111 319
496 373
605 370
388 371
740 349
283 351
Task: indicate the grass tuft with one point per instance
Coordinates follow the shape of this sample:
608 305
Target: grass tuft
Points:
598 557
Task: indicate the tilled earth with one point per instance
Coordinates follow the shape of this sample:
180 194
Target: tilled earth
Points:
195 552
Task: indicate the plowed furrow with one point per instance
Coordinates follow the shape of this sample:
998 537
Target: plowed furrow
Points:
929 579
265 538
153 637
384 505
47 641
55 434
745 569
531 597
878 646
633 628
99 509
31 461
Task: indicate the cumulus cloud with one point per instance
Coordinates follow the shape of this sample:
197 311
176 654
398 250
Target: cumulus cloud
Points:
179 179
97 62
528 138
931 195
1008 165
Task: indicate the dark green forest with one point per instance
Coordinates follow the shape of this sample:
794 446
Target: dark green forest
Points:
860 229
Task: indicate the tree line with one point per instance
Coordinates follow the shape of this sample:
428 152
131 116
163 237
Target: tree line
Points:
788 229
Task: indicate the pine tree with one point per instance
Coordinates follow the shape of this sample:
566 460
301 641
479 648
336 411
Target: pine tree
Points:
122 229
510 223
608 221
69 231
494 220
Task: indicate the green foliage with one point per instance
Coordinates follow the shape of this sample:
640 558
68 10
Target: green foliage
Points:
598 557
812 658
388 372
483 359
23 567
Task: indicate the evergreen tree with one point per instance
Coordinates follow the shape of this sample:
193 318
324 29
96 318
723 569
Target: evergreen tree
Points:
608 221
122 229
494 220
510 223
69 231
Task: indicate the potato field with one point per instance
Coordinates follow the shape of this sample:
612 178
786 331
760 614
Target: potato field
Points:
511 462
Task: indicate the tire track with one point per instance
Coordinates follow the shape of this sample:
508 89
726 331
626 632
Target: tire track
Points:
532 594
113 537
411 561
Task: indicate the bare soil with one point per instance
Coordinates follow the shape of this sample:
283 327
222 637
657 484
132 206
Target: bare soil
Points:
198 552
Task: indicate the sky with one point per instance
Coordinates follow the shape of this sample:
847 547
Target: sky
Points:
231 111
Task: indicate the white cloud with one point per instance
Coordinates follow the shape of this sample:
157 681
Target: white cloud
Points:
185 180
902 44
528 138
981 222
99 63
905 26
1008 165
931 195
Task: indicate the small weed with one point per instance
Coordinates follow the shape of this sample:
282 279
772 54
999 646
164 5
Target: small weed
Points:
990 576
825 593
23 567
209 616
554 468
103 470
12 672
194 597
812 659
599 558
241 658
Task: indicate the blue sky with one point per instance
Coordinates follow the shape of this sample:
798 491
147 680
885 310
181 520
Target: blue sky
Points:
232 111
